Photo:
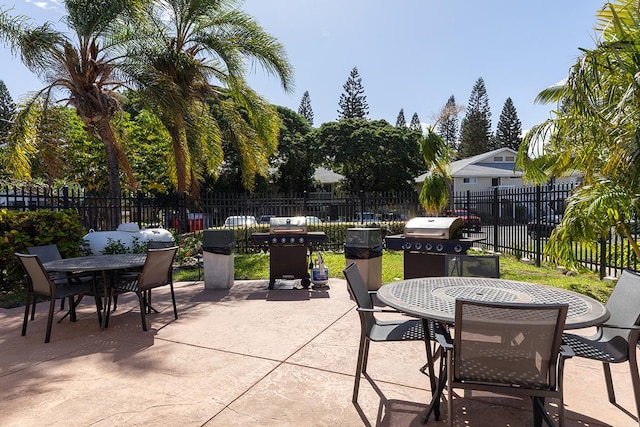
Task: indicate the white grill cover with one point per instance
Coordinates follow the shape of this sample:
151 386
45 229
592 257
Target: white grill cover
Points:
288 224
434 227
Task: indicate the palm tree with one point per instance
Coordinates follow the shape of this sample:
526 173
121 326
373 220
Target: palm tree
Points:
82 68
190 66
596 131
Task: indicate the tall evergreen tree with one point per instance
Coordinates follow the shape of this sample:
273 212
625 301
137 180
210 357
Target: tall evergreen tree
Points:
305 109
448 123
353 103
401 121
475 130
7 111
415 123
509 130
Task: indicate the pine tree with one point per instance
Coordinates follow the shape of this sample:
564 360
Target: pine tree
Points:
475 130
448 123
509 130
7 110
415 123
353 103
305 108
400 121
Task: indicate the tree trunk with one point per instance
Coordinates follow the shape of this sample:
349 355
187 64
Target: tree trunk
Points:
181 154
106 133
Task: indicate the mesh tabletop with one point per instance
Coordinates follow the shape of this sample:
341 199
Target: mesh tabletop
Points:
434 297
97 263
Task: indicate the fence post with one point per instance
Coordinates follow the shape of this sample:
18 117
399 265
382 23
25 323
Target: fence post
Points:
361 206
496 218
304 201
65 197
139 208
538 243
603 254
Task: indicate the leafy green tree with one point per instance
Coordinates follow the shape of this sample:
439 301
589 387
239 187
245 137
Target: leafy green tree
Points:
372 155
190 61
509 129
353 103
415 123
305 109
448 123
82 66
7 111
475 129
594 131
296 160
436 154
401 122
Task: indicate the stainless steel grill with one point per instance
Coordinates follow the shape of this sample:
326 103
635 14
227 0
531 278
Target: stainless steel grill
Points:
425 241
289 244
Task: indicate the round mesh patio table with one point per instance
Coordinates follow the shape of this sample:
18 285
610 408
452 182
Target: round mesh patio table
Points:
434 298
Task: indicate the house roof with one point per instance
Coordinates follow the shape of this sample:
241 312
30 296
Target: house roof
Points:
480 166
327 176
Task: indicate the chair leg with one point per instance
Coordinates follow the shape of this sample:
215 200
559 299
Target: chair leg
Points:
173 298
33 307
52 305
635 378
143 309
607 378
26 314
360 367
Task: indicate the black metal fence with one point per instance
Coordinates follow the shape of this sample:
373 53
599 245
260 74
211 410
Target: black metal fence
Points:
513 220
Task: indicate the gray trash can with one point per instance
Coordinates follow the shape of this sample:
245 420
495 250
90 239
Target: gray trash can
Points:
217 258
363 246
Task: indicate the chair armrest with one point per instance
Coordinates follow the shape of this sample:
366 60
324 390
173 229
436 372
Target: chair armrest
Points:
630 328
443 338
377 310
566 352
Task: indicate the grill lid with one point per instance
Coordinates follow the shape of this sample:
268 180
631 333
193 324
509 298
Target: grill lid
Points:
288 225
438 228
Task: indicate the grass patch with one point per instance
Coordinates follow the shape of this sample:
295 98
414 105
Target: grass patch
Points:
256 266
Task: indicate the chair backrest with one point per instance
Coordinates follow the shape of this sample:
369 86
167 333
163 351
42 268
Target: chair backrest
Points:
360 293
46 253
473 265
37 277
508 344
624 303
157 268
155 244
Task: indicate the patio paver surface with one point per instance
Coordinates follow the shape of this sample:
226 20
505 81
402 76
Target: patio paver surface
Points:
247 356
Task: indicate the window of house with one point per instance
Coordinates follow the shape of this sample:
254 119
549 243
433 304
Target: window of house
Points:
509 159
469 180
497 159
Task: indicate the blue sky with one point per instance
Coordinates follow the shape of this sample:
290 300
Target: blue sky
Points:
411 54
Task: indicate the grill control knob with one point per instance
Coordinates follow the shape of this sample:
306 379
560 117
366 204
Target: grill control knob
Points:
274 240
301 239
292 239
428 246
439 248
283 240
407 246
458 248
418 246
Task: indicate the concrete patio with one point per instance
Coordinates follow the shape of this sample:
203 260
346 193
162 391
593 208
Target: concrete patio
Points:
247 356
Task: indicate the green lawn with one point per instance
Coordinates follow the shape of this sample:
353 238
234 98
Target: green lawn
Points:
256 266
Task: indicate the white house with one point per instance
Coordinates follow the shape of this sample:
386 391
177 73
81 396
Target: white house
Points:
489 170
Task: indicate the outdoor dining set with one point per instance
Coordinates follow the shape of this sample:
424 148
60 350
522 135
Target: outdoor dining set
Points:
501 336
480 332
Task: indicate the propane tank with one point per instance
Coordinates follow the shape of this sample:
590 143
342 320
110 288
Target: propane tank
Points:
319 273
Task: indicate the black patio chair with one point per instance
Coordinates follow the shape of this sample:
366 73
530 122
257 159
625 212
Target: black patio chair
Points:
40 284
372 329
616 340
512 349
157 271
473 265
